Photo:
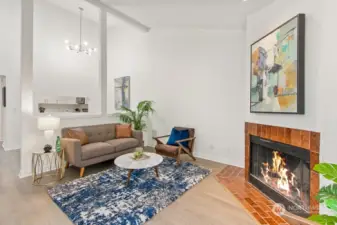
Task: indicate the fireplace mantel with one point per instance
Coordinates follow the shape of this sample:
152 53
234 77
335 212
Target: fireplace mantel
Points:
308 140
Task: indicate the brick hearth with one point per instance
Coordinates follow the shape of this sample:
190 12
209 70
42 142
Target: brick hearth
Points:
257 204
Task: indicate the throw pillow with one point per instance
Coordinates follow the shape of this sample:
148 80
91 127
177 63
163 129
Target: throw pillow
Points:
78 133
177 135
123 131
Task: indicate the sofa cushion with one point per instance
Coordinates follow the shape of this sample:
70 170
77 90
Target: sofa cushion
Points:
97 149
79 134
177 135
123 143
100 133
123 131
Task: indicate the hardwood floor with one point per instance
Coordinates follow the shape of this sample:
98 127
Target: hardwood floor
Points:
24 204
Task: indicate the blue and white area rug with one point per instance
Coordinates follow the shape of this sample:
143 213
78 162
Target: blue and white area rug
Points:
104 199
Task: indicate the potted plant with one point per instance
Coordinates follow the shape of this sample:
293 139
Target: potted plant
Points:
137 117
327 194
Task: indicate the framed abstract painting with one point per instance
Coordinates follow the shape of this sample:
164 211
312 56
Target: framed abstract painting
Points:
122 92
277 70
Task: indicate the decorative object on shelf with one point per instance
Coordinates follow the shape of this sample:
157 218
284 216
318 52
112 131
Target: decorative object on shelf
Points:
122 92
47 148
63 104
42 109
80 100
136 117
327 194
82 47
277 70
58 144
51 162
48 124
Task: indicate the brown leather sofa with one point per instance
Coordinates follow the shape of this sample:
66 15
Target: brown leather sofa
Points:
102 145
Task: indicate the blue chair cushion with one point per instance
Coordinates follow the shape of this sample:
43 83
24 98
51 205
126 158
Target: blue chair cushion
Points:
177 135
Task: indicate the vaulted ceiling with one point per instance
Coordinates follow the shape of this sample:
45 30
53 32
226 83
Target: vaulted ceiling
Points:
200 14
181 2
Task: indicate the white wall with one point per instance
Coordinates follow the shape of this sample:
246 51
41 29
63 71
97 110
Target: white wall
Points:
319 77
320 74
269 18
194 77
10 24
57 71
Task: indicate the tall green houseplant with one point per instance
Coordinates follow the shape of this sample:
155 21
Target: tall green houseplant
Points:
327 194
137 117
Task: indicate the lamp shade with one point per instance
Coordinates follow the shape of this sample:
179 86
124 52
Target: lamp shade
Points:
48 123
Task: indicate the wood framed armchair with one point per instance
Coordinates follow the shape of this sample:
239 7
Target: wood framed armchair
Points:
176 150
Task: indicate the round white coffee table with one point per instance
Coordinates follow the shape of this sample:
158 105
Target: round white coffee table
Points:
127 162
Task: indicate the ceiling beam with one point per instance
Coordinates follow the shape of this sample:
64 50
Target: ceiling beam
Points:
120 15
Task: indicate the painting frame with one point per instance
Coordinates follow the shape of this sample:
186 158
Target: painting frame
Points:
300 66
122 92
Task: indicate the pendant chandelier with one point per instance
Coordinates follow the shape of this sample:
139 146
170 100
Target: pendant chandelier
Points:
82 47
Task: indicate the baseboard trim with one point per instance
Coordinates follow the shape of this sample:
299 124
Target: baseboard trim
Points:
24 175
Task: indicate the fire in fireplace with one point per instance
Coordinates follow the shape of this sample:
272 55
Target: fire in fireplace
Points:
282 172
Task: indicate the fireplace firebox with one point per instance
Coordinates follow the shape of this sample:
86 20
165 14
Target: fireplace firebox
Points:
282 172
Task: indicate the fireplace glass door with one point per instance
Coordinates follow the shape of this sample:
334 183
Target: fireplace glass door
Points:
282 171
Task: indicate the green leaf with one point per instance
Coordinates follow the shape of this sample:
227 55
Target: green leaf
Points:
144 108
125 118
331 204
329 171
324 219
328 195
328 192
123 108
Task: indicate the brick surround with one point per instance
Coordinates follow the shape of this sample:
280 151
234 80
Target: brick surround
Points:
308 140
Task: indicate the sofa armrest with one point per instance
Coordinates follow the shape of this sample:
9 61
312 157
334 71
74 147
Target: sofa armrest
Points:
138 134
72 150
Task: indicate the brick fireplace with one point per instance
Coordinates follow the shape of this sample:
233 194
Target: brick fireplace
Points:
294 152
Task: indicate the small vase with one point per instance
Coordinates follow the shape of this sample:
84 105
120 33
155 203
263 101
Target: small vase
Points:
58 144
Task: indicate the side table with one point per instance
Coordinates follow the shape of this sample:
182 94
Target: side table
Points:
51 163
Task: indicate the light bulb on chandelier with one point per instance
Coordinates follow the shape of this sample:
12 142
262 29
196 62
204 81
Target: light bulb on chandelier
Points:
82 46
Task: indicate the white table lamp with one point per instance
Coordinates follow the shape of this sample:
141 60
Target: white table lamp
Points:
48 124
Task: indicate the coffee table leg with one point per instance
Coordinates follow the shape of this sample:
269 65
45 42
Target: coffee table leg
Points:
156 170
129 176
